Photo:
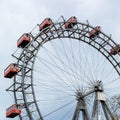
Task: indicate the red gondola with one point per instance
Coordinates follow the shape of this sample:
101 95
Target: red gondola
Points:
71 22
13 111
115 50
23 40
47 22
11 70
94 32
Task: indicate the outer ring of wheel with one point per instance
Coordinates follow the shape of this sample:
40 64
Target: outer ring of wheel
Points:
23 82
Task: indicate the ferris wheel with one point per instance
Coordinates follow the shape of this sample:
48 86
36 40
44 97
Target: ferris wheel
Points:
65 70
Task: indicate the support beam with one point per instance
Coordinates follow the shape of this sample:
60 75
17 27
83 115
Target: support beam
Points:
100 99
81 107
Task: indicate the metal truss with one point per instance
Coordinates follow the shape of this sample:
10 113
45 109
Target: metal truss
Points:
23 87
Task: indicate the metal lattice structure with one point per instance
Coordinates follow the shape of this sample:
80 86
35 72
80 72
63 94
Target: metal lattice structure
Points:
23 85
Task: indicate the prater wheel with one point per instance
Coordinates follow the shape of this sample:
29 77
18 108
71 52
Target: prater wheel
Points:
66 75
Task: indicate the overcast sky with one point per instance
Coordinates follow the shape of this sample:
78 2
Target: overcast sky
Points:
19 16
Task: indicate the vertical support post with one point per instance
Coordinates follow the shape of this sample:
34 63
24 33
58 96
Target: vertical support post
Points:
100 99
81 107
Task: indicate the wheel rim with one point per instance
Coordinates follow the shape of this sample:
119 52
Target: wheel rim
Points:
24 87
